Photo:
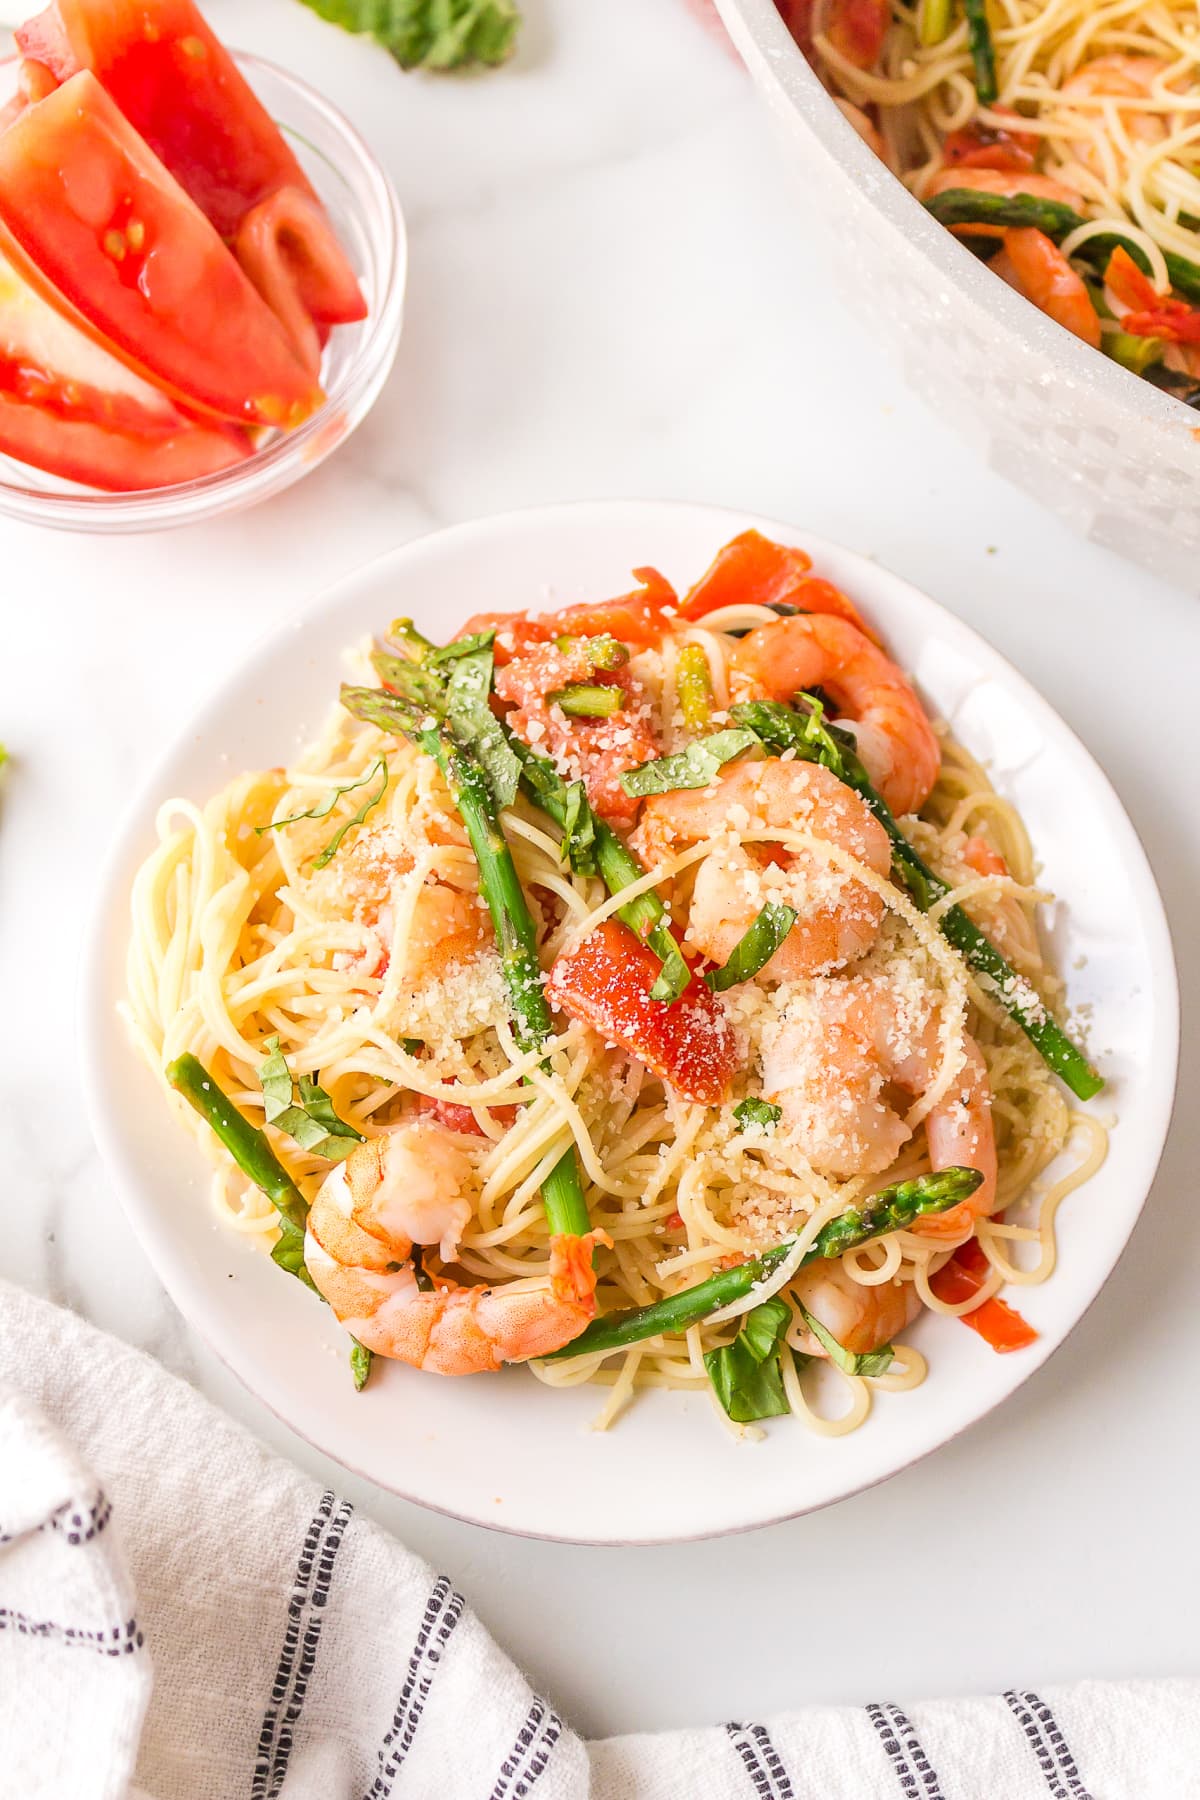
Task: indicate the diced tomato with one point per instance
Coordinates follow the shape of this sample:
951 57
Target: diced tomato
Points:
1151 314
606 982
69 407
461 1118
997 1323
92 219
638 619
980 146
856 28
599 750
753 570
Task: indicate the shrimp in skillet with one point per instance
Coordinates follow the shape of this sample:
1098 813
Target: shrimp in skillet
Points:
415 1186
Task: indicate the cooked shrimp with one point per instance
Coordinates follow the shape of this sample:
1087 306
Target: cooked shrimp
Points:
838 916
372 882
1108 78
829 1064
414 1186
861 1318
895 739
1034 265
1008 182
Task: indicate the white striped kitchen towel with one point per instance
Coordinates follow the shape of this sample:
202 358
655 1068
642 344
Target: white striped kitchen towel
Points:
186 1617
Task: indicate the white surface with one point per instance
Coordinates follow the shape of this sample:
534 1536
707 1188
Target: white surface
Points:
504 1451
612 292
1111 454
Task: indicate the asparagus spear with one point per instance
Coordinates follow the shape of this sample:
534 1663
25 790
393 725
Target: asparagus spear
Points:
983 55
785 728
252 1154
894 1208
965 206
254 1157
562 1190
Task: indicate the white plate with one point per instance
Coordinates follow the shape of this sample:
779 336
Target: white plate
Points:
504 1450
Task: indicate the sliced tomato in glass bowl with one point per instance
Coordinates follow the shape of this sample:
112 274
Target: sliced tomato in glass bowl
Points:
182 91
70 408
92 218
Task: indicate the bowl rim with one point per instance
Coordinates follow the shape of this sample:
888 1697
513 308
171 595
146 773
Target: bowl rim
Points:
780 67
98 1035
95 509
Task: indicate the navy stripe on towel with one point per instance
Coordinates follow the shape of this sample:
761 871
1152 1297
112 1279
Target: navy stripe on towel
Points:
301 1639
761 1761
117 1640
1047 1743
527 1760
443 1610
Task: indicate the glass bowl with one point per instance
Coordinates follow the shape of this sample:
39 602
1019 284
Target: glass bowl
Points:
364 209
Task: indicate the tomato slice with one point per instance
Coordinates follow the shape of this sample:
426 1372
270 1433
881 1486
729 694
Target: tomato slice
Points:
997 1323
606 981
182 91
94 219
69 407
638 619
753 570
456 1117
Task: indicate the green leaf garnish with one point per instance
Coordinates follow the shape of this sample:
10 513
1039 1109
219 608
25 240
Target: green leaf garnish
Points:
313 1124
587 700
430 34
757 1112
674 978
874 1362
578 847
696 766
746 1375
360 1364
326 807
755 948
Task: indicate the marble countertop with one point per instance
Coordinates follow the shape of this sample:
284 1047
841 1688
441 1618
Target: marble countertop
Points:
613 293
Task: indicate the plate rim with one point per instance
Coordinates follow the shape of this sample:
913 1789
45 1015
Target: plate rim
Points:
97 1027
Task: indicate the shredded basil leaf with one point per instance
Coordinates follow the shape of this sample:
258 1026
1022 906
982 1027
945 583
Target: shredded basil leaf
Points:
326 807
578 847
430 34
674 978
412 1045
874 1362
756 948
360 1364
474 724
757 1112
746 1375
313 1124
696 766
287 1252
